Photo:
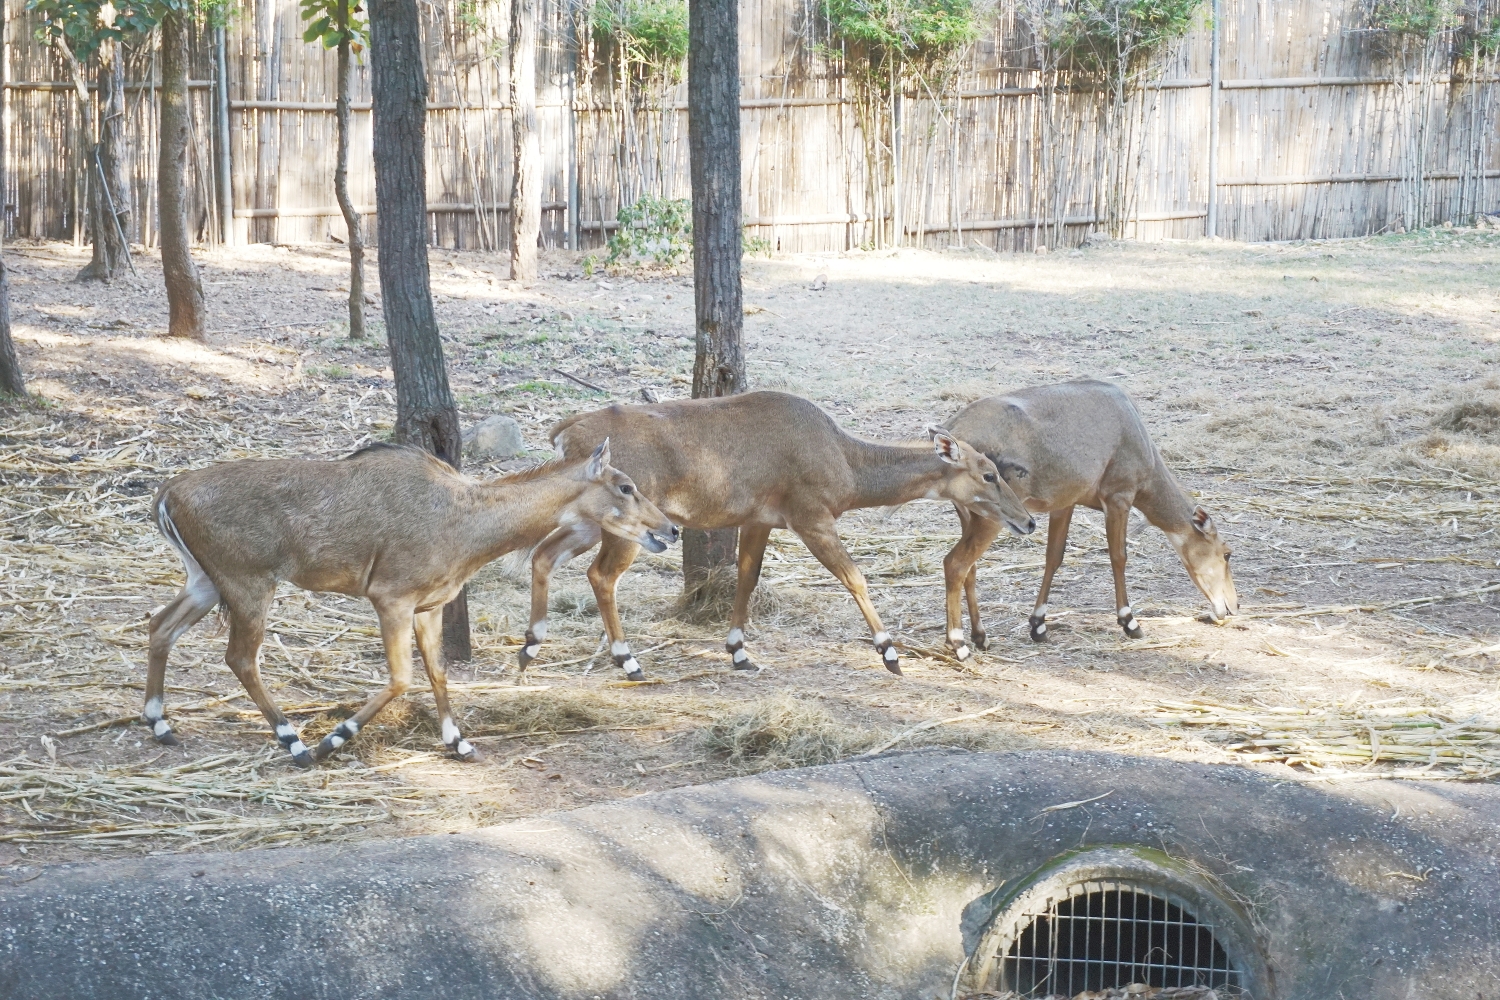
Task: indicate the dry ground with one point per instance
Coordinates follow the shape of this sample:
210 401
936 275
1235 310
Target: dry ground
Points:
1336 405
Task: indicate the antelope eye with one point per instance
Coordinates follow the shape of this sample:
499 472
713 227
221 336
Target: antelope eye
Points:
627 489
1227 555
989 477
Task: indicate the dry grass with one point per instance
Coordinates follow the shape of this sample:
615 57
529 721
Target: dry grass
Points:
780 732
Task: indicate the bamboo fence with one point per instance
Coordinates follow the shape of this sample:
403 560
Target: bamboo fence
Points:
1315 129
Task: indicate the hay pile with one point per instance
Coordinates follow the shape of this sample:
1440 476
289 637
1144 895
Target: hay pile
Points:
1440 745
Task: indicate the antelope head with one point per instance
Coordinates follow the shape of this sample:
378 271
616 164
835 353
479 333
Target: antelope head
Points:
1206 558
612 501
973 482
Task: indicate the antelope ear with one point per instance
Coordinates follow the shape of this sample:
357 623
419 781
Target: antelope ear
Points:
1204 523
598 461
946 445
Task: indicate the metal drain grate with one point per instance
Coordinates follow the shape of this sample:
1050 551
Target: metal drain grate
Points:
1101 935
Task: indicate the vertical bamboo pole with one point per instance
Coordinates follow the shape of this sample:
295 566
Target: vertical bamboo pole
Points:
226 165
570 105
1211 221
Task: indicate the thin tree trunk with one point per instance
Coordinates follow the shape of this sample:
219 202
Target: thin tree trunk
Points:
94 165
11 381
714 143
525 190
184 289
341 184
425 414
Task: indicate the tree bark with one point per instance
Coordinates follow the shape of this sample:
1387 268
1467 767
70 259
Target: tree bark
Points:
184 289
341 184
425 414
109 204
11 381
714 144
526 189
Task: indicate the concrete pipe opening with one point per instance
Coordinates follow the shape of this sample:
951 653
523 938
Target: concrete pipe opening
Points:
1118 921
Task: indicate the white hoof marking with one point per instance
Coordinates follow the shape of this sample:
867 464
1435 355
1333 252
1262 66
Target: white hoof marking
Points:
335 740
450 732
532 650
539 631
956 635
285 732
463 748
740 656
891 656
735 637
881 638
298 748
1124 612
350 726
962 652
619 649
631 667
160 727
1041 629
153 709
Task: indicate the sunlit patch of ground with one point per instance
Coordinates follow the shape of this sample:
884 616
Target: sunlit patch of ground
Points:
1336 405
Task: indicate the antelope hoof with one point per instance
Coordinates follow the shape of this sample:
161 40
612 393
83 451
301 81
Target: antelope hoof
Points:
981 641
961 650
467 752
162 733
1128 623
342 733
888 654
528 652
304 759
1038 625
735 646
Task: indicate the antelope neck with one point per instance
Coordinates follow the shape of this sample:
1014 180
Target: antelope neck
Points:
889 474
1164 503
516 515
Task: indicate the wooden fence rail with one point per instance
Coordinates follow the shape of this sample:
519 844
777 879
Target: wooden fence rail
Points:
1304 128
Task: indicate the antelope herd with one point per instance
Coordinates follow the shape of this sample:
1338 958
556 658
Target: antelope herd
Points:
403 529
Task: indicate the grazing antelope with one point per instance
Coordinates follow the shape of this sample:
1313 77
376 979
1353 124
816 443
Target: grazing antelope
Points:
390 523
757 461
1079 443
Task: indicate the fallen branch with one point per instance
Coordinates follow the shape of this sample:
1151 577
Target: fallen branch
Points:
575 378
929 725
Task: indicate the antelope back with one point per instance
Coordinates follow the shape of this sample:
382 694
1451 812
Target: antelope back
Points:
716 459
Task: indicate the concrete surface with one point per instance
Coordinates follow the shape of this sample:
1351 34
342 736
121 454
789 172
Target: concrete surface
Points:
843 881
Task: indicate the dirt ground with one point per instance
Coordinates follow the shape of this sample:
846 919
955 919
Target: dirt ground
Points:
1336 406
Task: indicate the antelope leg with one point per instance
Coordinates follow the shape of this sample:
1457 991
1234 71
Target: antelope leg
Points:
395 633
247 628
429 627
614 558
1057 540
550 556
752 553
1116 521
822 540
958 573
187 608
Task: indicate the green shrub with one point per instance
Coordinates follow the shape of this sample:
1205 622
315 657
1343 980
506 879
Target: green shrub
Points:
658 230
1423 18
652 33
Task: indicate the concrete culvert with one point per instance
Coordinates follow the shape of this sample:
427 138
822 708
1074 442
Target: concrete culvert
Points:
1126 920
907 877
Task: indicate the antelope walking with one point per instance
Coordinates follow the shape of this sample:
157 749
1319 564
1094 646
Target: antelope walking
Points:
757 461
390 523
1079 443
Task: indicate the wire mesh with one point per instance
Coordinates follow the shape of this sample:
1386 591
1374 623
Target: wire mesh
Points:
1102 935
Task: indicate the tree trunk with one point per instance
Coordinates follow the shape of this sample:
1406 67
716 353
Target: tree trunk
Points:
341 184
109 204
425 414
11 382
525 189
184 289
714 143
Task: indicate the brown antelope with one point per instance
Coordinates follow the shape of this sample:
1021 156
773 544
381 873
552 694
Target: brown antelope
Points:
757 461
1079 443
390 523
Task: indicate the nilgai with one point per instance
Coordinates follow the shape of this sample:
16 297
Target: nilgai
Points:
390 523
1079 443
758 461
